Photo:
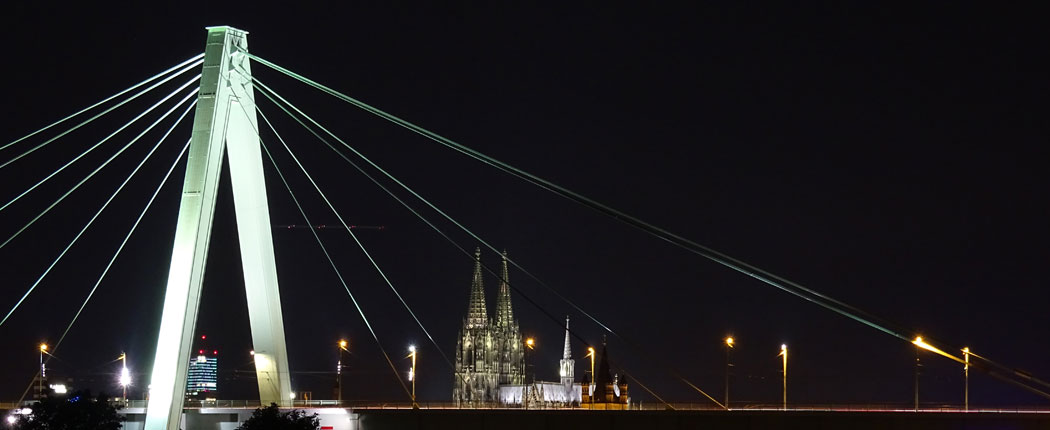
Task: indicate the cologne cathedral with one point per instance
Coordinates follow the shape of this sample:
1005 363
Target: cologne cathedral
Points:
489 351
490 358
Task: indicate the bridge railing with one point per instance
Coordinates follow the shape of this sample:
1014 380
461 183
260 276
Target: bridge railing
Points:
635 406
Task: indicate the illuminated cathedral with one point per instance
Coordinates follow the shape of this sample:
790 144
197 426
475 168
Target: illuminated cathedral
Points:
489 353
490 360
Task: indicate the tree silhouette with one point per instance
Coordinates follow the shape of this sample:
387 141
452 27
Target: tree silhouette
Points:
271 418
76 411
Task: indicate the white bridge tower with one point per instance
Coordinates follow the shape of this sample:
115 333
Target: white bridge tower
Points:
224 119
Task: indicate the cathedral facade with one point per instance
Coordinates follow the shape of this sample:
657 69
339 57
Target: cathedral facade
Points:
490 361
489 351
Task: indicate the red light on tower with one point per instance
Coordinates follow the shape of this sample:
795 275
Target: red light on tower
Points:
200 352
203 337
215 352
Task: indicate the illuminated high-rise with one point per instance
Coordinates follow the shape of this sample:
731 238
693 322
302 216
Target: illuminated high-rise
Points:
202 382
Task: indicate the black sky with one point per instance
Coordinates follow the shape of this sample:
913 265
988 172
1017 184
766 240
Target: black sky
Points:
884 154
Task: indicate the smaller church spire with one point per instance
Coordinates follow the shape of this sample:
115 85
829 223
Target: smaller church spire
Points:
566 354
567 366
477 313
603 381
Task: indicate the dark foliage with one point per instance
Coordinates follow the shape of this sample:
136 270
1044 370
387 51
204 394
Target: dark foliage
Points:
271 418
75 411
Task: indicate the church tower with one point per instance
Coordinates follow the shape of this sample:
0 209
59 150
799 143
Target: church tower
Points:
506 333
567 366
489 351
475 373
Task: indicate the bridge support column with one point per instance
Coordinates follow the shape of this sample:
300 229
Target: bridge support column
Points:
224 118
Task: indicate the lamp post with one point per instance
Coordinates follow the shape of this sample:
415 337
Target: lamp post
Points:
529 344
965 360
918 345
590 353
43 372
784 354
339 370
125 376
966 377
412 374
729 346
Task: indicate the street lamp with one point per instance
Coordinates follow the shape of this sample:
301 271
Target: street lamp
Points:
965 361
784 354
966 376
729 345
590 353
125 376
339 370
43 371
412 373
919 344
530 343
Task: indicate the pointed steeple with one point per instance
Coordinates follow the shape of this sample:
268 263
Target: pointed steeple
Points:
477 313
567 366
504 311
567 354
603 381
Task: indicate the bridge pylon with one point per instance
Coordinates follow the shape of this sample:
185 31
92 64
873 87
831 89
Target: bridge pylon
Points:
224 119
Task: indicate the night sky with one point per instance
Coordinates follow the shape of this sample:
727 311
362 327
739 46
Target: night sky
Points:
883 154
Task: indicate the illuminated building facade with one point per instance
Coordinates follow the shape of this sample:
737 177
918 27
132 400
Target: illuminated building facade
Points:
488 352
202 381
605 391
490 355
565 392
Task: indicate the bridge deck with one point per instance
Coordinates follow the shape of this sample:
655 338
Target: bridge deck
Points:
382 419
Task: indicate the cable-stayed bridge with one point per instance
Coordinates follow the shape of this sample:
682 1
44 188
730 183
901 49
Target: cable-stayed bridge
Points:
220 90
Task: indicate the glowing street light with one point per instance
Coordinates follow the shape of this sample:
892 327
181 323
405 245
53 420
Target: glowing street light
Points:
784 354
590 353
125 379
530 343
729 345
339 369
43 371
125 376
965 361
412 373
920 344
966 376
924 345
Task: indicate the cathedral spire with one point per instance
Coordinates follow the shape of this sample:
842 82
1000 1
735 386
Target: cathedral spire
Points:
477 313
504 311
